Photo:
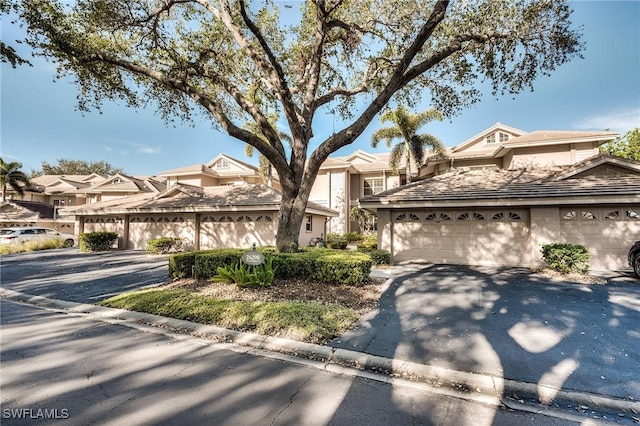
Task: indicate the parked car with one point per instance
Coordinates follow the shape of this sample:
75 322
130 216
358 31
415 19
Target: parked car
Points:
22 235
634 258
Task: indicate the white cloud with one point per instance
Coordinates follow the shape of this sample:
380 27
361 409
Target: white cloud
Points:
620 121
150 150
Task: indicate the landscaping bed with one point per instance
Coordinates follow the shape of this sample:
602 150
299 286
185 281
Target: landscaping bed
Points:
303 310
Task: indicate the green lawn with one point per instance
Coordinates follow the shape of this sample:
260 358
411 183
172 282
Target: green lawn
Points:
311 321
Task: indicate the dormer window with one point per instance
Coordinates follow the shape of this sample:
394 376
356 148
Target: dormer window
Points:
503 137
491 138
498 136
222 164
117 181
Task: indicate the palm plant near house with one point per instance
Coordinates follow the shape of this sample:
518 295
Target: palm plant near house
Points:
405 127
264 165
11 175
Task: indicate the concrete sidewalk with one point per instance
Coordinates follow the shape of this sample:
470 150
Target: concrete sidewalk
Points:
328 358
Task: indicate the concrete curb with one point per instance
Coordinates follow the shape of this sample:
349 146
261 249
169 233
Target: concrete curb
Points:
437 377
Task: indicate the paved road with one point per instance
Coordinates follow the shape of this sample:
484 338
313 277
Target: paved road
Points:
85 371
81 277
510 323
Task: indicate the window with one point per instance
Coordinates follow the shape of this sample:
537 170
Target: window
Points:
222 164
478 216
615 214
309 223
587 215
514 216
503 137
463 216
372 186
58 203
498 216
632 214
571 215
491 138
431 216
414 217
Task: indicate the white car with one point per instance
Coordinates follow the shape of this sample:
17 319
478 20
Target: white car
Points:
22 235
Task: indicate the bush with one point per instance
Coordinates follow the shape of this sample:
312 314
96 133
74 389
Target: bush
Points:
336 241
164 245
247 276
97 241
352 236
566 258
326 265
379 257
349 268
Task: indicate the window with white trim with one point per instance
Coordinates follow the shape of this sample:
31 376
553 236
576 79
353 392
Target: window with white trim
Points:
222 164
309 223
373 186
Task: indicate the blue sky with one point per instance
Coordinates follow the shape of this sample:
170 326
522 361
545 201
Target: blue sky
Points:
39 121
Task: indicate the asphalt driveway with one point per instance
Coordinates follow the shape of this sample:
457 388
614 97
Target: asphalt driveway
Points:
504 322
509 323
69 275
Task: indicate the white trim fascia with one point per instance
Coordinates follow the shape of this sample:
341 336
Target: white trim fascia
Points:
558 141
515 202
484 133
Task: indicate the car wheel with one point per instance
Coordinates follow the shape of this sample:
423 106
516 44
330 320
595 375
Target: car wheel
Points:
636 265
68 243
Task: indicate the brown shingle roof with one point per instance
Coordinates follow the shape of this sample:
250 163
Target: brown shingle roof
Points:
229 198
482 187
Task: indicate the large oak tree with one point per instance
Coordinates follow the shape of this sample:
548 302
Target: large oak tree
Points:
236 62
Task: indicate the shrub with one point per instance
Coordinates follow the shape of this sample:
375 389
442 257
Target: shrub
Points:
342 268
164 245
97 241
206 264
247 276
379 257
566 258
352 236
327 265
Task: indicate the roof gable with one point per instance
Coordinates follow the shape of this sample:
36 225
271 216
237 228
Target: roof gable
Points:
224 164
479 141
602 165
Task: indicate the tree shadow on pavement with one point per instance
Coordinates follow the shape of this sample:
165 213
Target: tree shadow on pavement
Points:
509 323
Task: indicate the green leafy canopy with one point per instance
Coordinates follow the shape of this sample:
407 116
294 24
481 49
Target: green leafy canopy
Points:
238 62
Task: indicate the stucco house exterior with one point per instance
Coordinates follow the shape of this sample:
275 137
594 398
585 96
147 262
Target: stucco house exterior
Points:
204 217
502 217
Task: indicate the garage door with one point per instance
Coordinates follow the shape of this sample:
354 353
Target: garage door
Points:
607 232
237 230
476 237
143 228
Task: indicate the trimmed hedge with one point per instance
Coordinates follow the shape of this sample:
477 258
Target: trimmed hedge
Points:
97 241
330 266
379 257
566 258
164 245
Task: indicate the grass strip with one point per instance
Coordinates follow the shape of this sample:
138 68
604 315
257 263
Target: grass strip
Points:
311 322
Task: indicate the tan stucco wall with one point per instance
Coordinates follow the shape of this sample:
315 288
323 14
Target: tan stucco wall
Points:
318 231
142 232
540 156
515 243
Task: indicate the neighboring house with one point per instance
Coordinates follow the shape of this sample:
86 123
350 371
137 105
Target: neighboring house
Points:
505 147
220 171
18 213
502 217
204 217
342 180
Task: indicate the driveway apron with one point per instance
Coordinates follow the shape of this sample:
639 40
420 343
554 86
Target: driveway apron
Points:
509 323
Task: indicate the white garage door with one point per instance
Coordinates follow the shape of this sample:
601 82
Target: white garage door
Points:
237 230
475 237
607 232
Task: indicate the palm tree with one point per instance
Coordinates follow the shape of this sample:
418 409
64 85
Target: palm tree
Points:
405 128
264 166
11 175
